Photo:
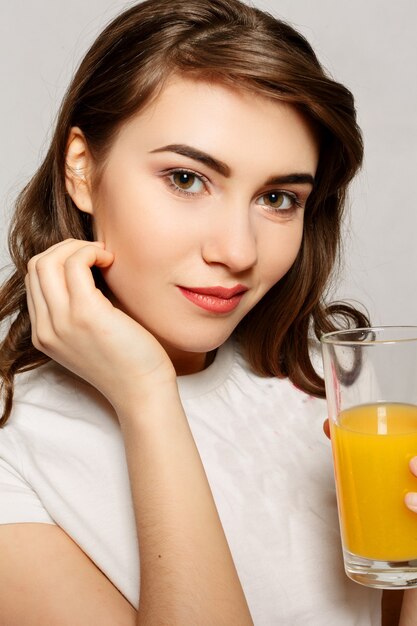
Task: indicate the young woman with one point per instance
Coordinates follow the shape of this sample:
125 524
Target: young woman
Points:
162 459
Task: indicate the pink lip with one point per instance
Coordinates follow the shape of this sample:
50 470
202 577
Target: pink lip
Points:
215 299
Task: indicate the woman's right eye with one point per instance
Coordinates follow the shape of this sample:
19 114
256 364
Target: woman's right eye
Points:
186 182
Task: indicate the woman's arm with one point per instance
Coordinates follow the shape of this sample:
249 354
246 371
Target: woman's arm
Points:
46 579
409 608
187 572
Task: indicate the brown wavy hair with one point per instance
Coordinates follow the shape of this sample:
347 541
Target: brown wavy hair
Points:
224 41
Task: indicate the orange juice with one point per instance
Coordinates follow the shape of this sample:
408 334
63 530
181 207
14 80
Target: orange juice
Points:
372 445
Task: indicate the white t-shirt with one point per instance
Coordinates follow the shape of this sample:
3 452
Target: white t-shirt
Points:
62 461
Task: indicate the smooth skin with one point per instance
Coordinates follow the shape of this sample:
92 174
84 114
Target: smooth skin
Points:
231 213
219 227
158 229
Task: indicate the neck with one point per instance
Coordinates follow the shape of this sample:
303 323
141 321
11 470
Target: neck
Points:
191 363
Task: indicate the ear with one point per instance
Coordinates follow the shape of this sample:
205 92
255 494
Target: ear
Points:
78 166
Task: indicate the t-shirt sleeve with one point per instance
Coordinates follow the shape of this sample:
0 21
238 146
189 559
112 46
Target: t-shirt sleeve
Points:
18 501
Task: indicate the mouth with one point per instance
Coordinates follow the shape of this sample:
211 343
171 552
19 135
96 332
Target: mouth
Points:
215 299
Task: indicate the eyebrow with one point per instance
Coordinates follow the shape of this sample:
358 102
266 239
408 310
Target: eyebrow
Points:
197 155
224 170
292 179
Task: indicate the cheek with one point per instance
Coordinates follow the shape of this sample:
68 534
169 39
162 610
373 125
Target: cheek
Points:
145 250
136 258
132 228
279 254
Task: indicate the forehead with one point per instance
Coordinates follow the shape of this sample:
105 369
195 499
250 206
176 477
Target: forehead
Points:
228 123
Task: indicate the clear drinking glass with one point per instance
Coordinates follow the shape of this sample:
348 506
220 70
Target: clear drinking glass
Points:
371 388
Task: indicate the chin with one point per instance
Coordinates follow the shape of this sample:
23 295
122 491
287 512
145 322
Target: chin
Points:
195 343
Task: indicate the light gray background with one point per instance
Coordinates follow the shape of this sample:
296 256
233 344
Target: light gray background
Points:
369 45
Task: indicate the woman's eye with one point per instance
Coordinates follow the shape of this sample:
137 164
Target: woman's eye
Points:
279 200
186 181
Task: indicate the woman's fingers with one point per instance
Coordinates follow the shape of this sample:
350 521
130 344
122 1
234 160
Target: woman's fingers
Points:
79 279
53 278
38 308
31 307
77 326
411 497
411 501
50 272
413 465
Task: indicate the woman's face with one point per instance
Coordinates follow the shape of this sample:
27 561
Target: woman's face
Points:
201 202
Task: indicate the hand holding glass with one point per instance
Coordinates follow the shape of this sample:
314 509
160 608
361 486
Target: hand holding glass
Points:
371 388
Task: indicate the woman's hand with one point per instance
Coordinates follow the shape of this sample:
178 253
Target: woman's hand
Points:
411 497
77 326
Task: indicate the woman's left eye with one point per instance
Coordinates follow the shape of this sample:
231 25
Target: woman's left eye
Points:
186 182
279 201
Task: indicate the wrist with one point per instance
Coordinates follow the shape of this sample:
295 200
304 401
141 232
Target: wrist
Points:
148 404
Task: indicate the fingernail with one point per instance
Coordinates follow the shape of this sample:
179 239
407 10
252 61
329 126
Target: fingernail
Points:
411 500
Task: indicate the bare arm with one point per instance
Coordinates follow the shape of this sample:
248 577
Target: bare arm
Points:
409 608
187 572
47 580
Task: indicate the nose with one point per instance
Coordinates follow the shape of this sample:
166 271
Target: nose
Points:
230 238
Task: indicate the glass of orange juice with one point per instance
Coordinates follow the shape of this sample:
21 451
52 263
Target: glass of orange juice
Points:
371 389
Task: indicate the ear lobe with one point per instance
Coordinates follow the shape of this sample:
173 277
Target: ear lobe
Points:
77 167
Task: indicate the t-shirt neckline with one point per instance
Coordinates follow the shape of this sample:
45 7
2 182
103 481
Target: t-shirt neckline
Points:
192 385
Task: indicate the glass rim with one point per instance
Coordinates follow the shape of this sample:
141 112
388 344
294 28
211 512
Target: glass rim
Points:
341 337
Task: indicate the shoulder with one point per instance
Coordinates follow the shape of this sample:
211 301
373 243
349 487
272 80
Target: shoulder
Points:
51 394
56 416
51 387
62 461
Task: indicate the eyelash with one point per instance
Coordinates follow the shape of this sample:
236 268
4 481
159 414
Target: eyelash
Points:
168 175
295 203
